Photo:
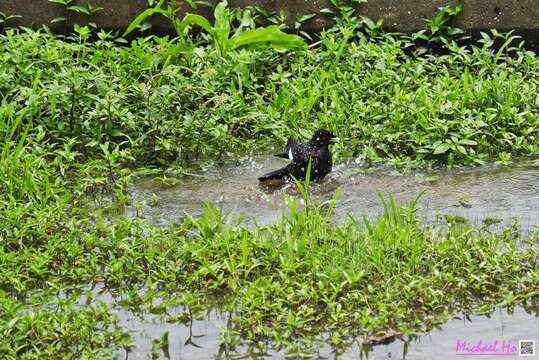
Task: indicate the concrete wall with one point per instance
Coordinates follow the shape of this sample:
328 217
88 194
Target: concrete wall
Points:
398 15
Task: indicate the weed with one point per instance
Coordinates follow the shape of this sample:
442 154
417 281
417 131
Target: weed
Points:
79 117
4 19
169 103
270 36
441 29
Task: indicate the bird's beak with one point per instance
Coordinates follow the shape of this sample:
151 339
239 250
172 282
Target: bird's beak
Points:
333 140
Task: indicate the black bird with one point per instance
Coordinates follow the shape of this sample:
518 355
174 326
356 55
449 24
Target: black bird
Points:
317 150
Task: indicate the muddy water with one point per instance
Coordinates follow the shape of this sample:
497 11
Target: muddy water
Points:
499 193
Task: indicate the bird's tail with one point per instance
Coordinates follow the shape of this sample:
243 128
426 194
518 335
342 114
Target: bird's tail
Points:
279 174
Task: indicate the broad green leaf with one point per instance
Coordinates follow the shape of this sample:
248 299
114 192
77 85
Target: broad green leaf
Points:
144 15
79 9
468 142
193 19
442 148
462 149
304 18
367 21
270 34
246 21
222 25
58 19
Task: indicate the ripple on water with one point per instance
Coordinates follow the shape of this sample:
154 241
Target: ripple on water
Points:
501 192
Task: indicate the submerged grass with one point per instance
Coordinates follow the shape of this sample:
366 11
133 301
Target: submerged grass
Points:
77 116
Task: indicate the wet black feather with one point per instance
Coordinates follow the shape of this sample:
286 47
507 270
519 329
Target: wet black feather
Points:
317 150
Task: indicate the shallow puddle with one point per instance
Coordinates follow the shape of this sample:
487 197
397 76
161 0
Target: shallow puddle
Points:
498 194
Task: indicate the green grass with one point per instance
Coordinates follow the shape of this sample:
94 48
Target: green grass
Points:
78 118
289 282
170 104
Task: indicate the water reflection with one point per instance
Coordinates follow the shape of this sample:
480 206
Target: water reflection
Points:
202 338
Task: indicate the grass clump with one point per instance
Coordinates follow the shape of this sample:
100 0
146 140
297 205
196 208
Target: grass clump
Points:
306 276
170 103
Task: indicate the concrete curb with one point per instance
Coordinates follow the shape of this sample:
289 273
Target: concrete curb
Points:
399 15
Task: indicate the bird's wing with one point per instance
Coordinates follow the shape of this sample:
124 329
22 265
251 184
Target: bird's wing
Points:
290 144
300 154
279 174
